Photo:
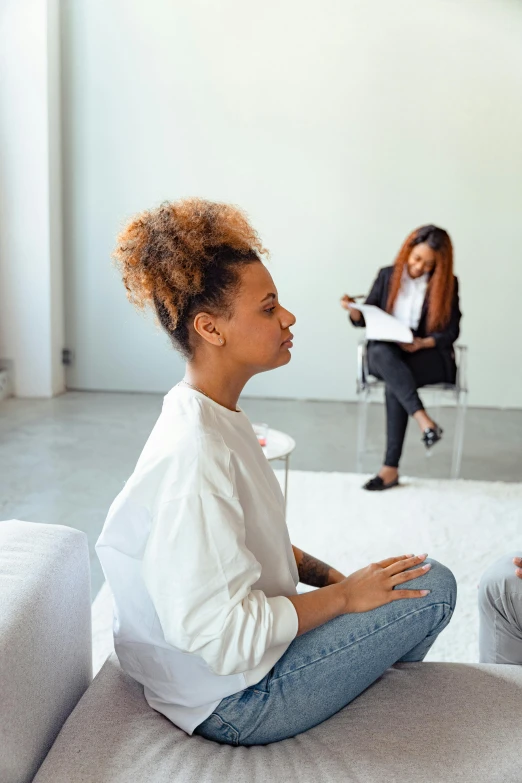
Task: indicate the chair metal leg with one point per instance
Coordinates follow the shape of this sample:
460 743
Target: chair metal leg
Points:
435 409
362 414
458 440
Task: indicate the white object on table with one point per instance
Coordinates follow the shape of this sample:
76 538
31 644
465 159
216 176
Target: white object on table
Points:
383 326
279 445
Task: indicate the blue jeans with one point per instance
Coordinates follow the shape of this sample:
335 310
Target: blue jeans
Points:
325 669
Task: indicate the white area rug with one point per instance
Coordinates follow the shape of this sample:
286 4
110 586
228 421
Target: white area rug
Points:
464 524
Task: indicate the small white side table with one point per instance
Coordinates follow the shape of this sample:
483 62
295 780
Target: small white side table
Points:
279 445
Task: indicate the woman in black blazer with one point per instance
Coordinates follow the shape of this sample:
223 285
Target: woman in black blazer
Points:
421 290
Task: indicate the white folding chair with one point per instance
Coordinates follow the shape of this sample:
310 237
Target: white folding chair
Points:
367 384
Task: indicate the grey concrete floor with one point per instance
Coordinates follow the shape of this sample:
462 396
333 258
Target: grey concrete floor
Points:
63 460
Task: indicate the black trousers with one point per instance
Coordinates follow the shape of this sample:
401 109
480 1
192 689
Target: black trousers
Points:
403 373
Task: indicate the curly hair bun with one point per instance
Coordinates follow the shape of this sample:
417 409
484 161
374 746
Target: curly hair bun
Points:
168 256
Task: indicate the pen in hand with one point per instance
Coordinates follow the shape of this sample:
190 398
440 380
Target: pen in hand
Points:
346 300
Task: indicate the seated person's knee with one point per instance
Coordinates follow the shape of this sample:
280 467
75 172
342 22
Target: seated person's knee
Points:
441 583
500 579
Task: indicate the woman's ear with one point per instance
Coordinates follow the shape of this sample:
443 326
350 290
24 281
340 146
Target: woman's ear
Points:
205 326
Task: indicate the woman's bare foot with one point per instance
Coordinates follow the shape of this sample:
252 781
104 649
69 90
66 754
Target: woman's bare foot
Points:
388 474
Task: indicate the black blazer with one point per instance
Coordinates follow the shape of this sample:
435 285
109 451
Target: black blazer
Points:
444 339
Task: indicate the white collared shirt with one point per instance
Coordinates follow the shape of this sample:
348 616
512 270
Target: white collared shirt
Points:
197 554
408 305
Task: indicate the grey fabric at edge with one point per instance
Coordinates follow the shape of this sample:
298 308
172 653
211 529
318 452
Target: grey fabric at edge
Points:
45 639
430 722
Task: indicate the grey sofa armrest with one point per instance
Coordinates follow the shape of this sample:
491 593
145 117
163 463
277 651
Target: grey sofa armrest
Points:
45 639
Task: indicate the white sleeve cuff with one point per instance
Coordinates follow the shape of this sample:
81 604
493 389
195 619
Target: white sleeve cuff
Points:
286 622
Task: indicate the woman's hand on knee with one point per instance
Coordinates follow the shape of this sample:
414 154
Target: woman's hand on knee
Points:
518 562
376 584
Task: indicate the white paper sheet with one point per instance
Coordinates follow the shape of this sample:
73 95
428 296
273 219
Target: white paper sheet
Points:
383 326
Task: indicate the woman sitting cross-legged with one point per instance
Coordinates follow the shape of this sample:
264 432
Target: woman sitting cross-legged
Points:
196 549
421 291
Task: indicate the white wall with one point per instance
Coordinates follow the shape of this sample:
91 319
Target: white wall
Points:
31 295
339 126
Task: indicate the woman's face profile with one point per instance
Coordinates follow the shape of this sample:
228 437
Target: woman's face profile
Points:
422 260
258 331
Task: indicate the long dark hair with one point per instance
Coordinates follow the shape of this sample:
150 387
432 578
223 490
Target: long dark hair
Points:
442 282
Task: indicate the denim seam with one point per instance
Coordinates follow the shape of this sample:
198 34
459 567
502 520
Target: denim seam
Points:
366 636
229 726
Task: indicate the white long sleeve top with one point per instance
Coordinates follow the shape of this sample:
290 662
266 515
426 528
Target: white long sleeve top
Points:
410 299
197 554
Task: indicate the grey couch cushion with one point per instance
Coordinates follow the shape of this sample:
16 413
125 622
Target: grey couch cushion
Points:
45 630
421 722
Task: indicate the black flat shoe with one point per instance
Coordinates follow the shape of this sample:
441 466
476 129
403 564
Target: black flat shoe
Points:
432 436
376 484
